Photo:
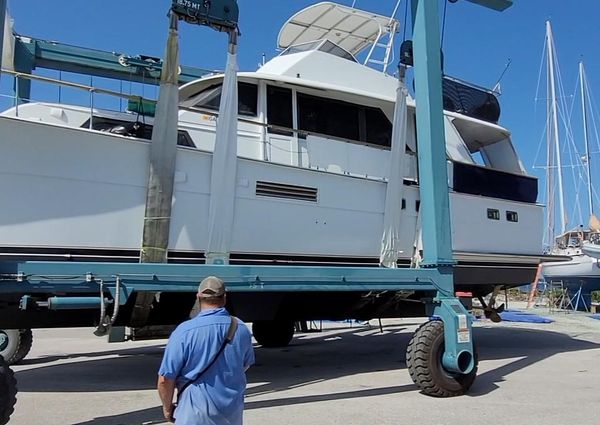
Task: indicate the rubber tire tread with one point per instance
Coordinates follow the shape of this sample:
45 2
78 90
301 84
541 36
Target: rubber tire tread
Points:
273 333
424 363
8 392
23 348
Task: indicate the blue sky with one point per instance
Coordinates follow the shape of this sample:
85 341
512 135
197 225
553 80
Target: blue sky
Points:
478 43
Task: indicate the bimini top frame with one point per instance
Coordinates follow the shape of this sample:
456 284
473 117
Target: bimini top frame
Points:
352 29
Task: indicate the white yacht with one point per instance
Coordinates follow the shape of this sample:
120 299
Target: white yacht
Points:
314 135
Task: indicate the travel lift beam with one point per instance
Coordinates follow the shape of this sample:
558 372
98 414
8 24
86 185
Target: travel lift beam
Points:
33 53
440 357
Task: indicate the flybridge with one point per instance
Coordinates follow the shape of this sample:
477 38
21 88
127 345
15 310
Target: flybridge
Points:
351 29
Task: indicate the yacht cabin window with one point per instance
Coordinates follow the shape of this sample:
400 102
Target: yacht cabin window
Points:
210 98
328 117
138 129
343 120
378 127
279 109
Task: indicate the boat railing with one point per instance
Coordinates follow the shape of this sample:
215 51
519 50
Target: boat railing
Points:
94 91
91 90
18 76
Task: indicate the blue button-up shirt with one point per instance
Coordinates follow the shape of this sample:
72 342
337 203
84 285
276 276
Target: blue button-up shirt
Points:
218 396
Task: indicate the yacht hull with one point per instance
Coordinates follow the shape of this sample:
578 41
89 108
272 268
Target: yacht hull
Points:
74 194
582 272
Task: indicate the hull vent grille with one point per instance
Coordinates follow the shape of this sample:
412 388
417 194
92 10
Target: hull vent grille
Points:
286 191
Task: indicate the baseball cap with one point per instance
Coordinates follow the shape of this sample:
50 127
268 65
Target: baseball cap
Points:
211 287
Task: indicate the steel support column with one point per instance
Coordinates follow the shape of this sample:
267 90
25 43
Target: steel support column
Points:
433 184
433 176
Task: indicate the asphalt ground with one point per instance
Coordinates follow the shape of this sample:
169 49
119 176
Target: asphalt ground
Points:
347 374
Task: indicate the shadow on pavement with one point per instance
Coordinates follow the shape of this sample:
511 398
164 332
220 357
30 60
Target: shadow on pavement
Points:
154 350
131 369
528 345
150 416
312 358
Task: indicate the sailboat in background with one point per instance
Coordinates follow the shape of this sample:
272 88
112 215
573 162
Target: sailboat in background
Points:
580 275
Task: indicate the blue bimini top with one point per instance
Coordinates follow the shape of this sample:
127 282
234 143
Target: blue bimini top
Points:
218 396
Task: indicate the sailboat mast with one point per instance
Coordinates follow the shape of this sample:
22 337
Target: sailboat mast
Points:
550 198
554 107
585 136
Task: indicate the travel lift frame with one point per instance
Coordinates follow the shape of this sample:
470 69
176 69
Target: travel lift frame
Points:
440 357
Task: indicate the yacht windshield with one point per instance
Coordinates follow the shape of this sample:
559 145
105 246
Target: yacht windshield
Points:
322 46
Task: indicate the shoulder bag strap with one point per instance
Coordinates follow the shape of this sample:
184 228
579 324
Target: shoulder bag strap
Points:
228 338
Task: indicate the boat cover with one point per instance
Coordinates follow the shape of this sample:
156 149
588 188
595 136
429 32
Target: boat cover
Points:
352 29
390 242
520 316
224 169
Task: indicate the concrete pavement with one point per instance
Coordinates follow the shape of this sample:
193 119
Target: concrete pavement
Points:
528 374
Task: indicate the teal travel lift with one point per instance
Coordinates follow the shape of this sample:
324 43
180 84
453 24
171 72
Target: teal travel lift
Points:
33 53
440 358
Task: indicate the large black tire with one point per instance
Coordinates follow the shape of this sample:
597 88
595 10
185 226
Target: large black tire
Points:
273 333
8 392
17 344
424 362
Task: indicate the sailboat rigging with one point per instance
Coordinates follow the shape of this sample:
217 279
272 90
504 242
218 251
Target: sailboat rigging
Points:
582 273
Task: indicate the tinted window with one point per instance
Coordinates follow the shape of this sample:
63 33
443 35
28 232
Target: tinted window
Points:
328 117
323 46
378 127
493 214
470 100
299 48
512 216
330 47
247 99
133 129
210 98
279 107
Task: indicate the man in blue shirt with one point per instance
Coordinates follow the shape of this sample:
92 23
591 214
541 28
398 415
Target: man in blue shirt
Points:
198 353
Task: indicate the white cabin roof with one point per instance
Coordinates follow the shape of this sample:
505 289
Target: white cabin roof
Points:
317 70
350 28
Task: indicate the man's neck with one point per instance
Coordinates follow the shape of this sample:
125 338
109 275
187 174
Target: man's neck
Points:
207 307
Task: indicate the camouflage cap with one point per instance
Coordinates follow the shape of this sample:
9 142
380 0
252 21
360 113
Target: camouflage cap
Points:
211 287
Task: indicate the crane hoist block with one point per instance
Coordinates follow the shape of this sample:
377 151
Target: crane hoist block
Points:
222 15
